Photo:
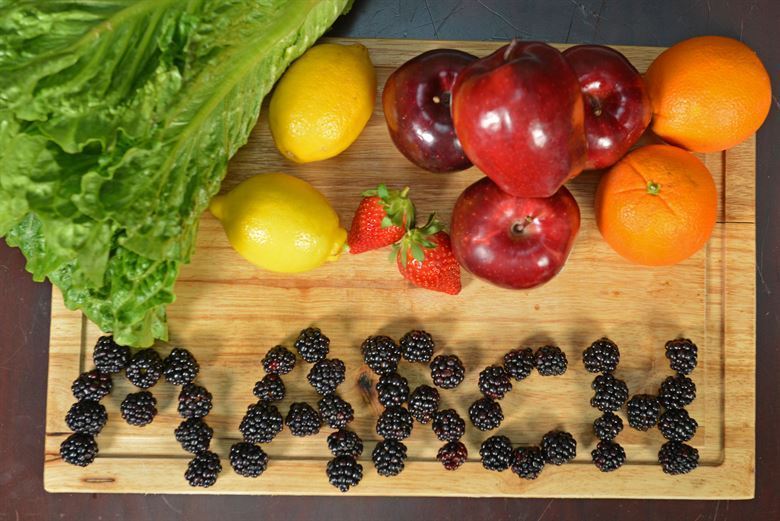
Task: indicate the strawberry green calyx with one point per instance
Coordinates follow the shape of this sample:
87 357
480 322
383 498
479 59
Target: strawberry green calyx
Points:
397 205
417 240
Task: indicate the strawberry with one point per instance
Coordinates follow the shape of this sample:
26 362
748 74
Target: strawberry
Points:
424 257
381 219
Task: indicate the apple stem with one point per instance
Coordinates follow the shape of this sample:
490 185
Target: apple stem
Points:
510 48
519 227
443 99
653 188
595 105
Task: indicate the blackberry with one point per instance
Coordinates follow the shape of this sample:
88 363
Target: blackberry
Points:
494 382
270 388
86 417
496 453
247 459
558 447
610 393
139 408
336 411
607 426
194 435
381 354
203 469
677 425
388 457
527 462
79 449
144 369
608 456
519 363
110 357
447 371
393 389
682 355
417 346
485 414
423 402
344 472
194 401
395 423
676 392
92 385
678 458
261 423
303 420
448 425
602 356
180 367
345 443
278 360
452 455
312 345
643 411
550 361
326 375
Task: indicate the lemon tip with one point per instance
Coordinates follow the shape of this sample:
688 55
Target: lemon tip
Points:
217 206
339 245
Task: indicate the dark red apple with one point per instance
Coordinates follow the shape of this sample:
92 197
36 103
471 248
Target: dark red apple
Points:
416 103
513 242
617 107
519 116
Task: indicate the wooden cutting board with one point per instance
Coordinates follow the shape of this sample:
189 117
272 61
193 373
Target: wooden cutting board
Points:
229 313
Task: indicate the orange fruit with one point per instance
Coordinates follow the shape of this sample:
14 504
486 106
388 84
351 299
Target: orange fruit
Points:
708 93
657 206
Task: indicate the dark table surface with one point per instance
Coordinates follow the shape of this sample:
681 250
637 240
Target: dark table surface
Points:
24 310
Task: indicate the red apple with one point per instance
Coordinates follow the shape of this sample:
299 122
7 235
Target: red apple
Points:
519 116
617 107
416 103
513 242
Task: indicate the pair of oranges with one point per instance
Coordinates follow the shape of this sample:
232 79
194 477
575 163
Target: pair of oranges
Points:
658 205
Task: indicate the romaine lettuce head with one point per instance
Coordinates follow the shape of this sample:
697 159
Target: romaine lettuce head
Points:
117 120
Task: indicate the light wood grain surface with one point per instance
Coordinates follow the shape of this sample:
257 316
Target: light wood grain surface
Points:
229 313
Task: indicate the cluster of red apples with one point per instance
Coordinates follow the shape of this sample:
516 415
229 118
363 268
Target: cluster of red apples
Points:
530 118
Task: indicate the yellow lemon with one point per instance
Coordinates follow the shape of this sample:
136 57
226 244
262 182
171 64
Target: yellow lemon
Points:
323 102
280 223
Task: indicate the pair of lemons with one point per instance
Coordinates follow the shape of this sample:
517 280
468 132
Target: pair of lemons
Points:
319 108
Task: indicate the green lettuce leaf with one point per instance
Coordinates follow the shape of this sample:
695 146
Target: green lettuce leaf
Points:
117 120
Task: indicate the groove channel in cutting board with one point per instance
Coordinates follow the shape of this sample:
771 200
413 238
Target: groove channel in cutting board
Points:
229 313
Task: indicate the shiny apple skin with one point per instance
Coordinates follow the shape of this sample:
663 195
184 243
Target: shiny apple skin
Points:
513 242
617 107
520 118
420 126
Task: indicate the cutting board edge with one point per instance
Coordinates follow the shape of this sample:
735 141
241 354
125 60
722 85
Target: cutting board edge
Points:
739 451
